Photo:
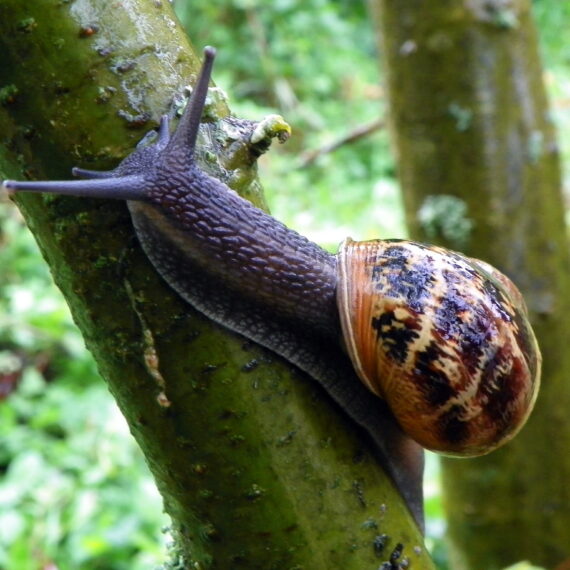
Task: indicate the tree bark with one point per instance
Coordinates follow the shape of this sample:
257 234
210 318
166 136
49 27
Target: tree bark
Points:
479 169
256 466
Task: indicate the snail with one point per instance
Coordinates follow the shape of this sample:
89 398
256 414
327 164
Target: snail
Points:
419 345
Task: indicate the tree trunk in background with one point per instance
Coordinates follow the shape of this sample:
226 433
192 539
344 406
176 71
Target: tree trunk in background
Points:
479 169
256 467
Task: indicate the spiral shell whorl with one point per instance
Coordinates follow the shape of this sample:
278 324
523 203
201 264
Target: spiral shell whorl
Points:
444 339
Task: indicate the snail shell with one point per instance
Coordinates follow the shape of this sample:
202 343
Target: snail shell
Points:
443 338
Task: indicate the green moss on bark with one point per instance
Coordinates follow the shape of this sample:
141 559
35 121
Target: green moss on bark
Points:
256 466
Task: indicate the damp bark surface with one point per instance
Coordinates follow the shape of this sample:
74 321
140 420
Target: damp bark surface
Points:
255 465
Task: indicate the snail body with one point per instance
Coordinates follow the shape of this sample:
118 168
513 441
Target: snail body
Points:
439 337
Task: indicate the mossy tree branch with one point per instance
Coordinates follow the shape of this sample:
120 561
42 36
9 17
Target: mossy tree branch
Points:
254 463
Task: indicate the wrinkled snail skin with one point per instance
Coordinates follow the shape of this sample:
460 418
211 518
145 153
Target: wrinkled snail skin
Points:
241 246
443 339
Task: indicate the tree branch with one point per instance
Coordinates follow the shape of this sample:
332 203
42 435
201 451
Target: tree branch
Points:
254 463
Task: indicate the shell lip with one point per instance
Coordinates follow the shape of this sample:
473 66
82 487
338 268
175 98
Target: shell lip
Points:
350 259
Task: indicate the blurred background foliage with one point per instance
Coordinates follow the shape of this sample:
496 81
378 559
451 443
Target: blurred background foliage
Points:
74 489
